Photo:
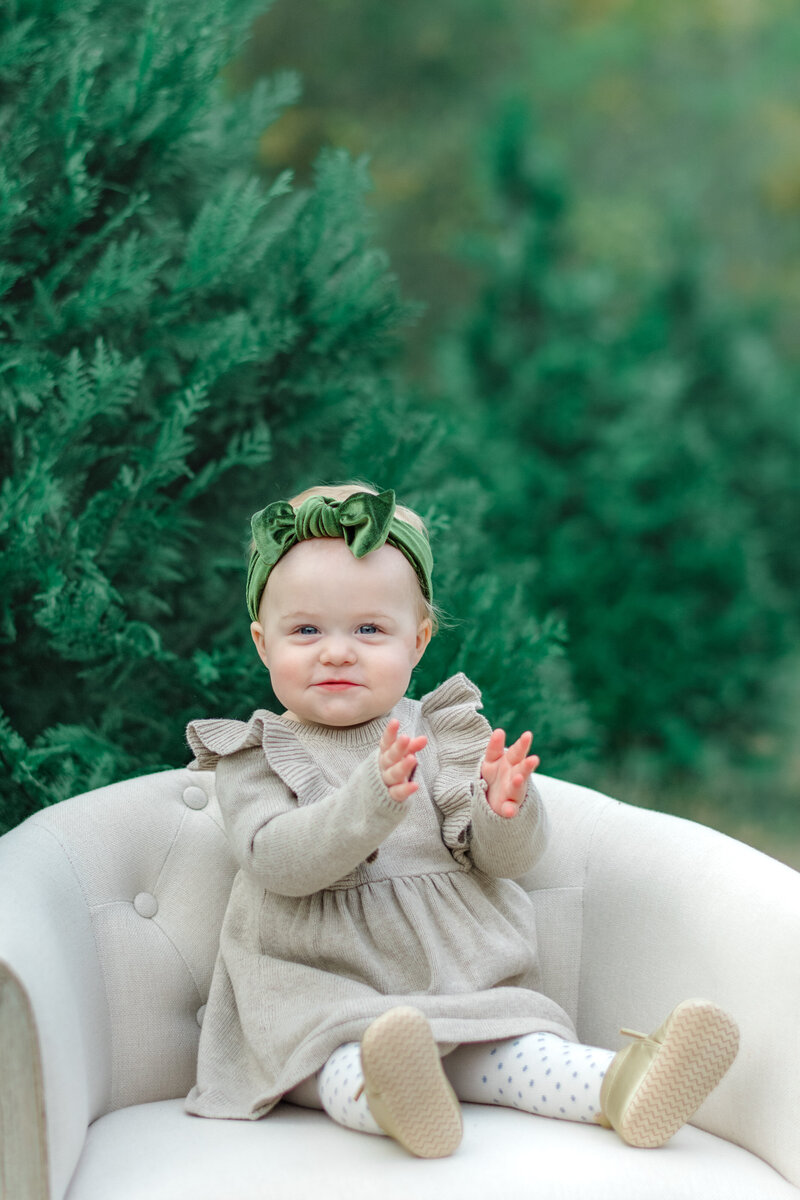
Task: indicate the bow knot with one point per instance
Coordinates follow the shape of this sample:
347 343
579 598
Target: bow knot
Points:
364 521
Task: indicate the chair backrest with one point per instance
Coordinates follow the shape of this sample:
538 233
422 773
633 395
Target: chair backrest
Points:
155 870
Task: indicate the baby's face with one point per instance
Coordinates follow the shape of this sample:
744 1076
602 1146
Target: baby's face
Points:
340 635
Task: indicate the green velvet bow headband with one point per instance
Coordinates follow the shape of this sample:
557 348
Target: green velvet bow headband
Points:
364 521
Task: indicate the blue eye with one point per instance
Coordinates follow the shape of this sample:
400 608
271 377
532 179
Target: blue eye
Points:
367 628
306 630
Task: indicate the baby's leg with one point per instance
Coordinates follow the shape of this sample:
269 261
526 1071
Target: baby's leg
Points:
646 1091
537 1072
339 1082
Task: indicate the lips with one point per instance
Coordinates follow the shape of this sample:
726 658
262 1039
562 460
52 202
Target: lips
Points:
337 685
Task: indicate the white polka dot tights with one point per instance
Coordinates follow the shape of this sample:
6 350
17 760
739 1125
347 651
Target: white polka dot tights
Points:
338 1082
537 1073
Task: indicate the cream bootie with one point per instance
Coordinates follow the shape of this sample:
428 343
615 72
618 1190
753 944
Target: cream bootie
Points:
407 1090
656 1084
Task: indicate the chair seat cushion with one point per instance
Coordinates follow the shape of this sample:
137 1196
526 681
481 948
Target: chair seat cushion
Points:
158 1152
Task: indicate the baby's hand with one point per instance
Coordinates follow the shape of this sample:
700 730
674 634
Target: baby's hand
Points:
397 760
507 772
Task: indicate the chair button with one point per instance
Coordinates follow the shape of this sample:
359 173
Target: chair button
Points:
195 797
145 904
201 1012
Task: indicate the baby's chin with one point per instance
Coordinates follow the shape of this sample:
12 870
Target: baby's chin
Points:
344 720
338 715
343 711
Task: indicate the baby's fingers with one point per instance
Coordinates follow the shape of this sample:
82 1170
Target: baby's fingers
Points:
519 778
401 791
400 771
394 744
389 735
508 809
397 760
398 779
520 748
496 747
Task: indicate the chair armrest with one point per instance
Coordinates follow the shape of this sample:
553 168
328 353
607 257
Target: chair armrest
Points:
52 994
674 910
23 1140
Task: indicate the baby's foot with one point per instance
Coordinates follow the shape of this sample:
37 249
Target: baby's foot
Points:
655 1085
407 1090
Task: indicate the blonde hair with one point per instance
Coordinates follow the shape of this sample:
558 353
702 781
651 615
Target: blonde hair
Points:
340 491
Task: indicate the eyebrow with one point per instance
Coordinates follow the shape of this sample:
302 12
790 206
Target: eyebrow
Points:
311 616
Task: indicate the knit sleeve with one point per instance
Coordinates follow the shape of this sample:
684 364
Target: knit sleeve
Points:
474 833
287 827
507 847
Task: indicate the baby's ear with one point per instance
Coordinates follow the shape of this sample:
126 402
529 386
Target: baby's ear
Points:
424 633
257 631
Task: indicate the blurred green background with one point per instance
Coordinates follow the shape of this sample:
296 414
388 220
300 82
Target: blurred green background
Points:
659 115
535 266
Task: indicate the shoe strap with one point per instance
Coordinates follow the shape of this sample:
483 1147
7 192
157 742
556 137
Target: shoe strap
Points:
640 1037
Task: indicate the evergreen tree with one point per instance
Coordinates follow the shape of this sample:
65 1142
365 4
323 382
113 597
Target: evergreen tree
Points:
640 450
180 342
164 317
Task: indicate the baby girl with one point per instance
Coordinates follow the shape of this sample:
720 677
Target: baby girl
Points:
376 958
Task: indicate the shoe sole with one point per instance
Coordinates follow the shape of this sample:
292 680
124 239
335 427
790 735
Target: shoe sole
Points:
407 1090
699 1044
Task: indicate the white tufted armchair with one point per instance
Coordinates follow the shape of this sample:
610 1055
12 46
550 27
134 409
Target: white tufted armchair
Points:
110 908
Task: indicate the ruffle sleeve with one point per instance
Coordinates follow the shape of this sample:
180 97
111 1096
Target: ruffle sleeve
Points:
460 734
213 739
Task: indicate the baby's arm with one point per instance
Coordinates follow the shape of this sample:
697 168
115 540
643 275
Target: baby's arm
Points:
297 850
509 828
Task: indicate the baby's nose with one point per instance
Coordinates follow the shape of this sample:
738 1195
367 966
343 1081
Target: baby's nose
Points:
338 650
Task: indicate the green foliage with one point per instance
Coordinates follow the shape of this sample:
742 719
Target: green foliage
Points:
180 342
643 453
161 307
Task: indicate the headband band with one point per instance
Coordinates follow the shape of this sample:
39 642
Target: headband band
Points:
365 522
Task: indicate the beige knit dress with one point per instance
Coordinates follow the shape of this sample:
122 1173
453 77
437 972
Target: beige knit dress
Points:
348 903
